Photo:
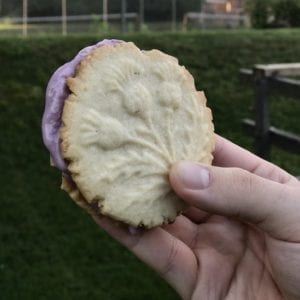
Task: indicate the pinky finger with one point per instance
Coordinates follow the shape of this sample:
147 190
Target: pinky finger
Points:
170 257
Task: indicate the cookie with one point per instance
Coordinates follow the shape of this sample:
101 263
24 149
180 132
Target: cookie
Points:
132 114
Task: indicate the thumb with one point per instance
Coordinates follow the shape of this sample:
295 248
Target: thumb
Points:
238 193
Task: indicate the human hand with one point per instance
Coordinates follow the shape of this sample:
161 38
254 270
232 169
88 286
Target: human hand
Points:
240 237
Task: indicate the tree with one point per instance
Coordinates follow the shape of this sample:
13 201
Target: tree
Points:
287 12
258 10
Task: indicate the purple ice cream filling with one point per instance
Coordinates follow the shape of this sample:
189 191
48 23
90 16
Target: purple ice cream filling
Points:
56 94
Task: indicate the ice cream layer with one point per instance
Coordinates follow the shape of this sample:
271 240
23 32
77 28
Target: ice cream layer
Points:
56 94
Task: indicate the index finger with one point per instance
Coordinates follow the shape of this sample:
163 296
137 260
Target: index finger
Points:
228 154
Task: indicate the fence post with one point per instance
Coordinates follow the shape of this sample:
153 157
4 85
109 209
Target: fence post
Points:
174 14
64 17
262 118
123 16
105 13
141 14
25 18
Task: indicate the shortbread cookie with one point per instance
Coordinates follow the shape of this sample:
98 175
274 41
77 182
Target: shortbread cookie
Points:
131 114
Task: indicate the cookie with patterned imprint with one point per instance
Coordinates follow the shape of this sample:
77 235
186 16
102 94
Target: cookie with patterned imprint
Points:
131 114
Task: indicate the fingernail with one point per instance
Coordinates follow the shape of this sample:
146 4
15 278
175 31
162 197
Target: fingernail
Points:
193 176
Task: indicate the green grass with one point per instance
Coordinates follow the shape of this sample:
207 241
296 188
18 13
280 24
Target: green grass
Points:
50 249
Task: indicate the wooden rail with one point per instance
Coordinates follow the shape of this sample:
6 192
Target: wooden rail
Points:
202 18
286 86
70 18
267 79
286 140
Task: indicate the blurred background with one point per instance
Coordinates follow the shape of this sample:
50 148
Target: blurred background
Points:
51 249
34 17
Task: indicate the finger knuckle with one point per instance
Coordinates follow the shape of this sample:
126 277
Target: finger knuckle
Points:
243 185
287 193
171 259
245 180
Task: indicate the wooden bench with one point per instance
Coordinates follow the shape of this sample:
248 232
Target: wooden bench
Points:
264 79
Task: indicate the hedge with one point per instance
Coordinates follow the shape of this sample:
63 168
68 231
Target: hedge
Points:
50 248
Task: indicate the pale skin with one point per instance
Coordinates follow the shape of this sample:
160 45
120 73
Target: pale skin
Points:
240 237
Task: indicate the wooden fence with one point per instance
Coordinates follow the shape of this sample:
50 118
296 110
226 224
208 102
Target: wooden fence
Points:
267 78
214 20
105 16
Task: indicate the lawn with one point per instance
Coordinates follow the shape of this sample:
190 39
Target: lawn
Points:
50 249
